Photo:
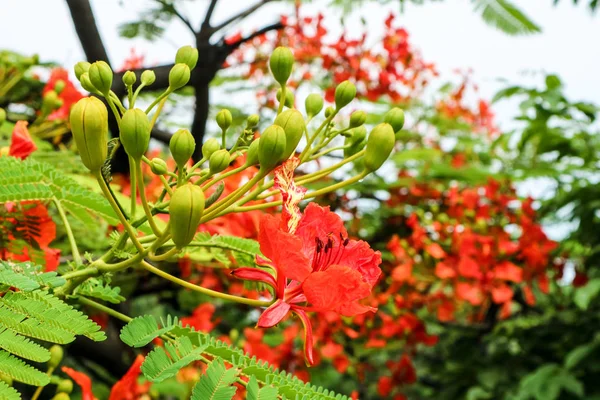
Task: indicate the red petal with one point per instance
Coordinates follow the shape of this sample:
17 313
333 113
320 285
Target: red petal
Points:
21 145
468 268
308 337
435 250
290 193
318 222
444 271
508 271
83 381
332 288
469 292
125 388
274 314
358 255
354 308
254 274
502 294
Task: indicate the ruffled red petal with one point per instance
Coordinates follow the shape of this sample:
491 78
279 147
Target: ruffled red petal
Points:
273 315
338 285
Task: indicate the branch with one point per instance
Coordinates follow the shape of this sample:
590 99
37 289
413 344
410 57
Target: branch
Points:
87 30
171 7
241 15
262 31
209 13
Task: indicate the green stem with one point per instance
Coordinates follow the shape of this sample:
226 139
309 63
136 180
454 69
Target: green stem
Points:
223 176
227 201
158 99
166 185
111 104
165 255
200 289
133 186
142 189
157 113
135 95
101 307
281 99
325 123
69 231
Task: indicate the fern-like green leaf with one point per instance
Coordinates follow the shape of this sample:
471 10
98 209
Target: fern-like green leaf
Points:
8 392
257 393
27 276
31 327
19 371
506 17
95 288
22 347
142 330
216 382
164 362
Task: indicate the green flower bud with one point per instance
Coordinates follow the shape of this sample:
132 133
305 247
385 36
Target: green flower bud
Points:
379 146
86 83
272 147
224 119
56 356
59 86
209 147
51 101
89 125
293 124
185 210
148 77
64 386
219 161
357 118
61 396
187 55
158 166
252 121
101 76
281 63
289 97
313 104
329 111
345 92
252 153
135 133
129 78
2 116
356 141
182 146
80 68
179 76
395 117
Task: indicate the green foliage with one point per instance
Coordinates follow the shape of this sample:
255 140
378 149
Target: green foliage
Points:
26 277
255 392
142 330
216 382
547 382
505 16
19 371
8 393
206 248
165 362
103 291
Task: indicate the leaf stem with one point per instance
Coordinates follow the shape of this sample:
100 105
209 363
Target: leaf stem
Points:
69 231
142 190
101 307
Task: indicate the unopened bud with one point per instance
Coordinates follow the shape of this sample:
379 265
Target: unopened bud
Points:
179 76
135 133
158 166
356 141
89 125
357 118
101 76
329 111
64 386
187 55
345 92
59 86
56 356
380 144
219 161
281 63
252 153
86 83
209 147
185 210
252 121
271 147
293 125
129 78
289 97
80 68
148 77
224 119
182 146
2 116
61 396
395 117
313 104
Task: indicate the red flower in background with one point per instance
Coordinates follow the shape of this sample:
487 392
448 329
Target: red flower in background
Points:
128 388
68 93
84 382
21 144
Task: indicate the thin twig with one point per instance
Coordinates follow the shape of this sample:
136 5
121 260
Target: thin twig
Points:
208 16
183 19
241 15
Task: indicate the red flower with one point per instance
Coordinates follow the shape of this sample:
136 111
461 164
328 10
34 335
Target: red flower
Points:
201 318
84 382
127 388
69 93
21 145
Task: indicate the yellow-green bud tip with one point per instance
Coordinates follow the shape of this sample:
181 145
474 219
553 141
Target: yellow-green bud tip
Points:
179 76
187 55
158 166
129 78
313 104
101 76
209 147
224 119
182 146
80 68
395 117
271 147
135 133
345 92
380 144
219 161
148 77
56 356
281 63
185 210
89 125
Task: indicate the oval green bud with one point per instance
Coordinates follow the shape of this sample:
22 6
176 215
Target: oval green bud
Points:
293 124
64 386
358 118
224 119
185 210
380 144
2 116
158 166
187 55
61 396
182 146
148 77
80 68
289 97
56 356
59 86
209 147
281 63
129 78
219 161
135 133
329 111
89 125
86 83
179 76
101 76
356 141
252 121
271 147
395 117
252 153
313 104
345 92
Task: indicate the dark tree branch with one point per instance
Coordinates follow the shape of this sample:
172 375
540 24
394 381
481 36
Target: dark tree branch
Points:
241 15
183 19
209 12
273 27
87 30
